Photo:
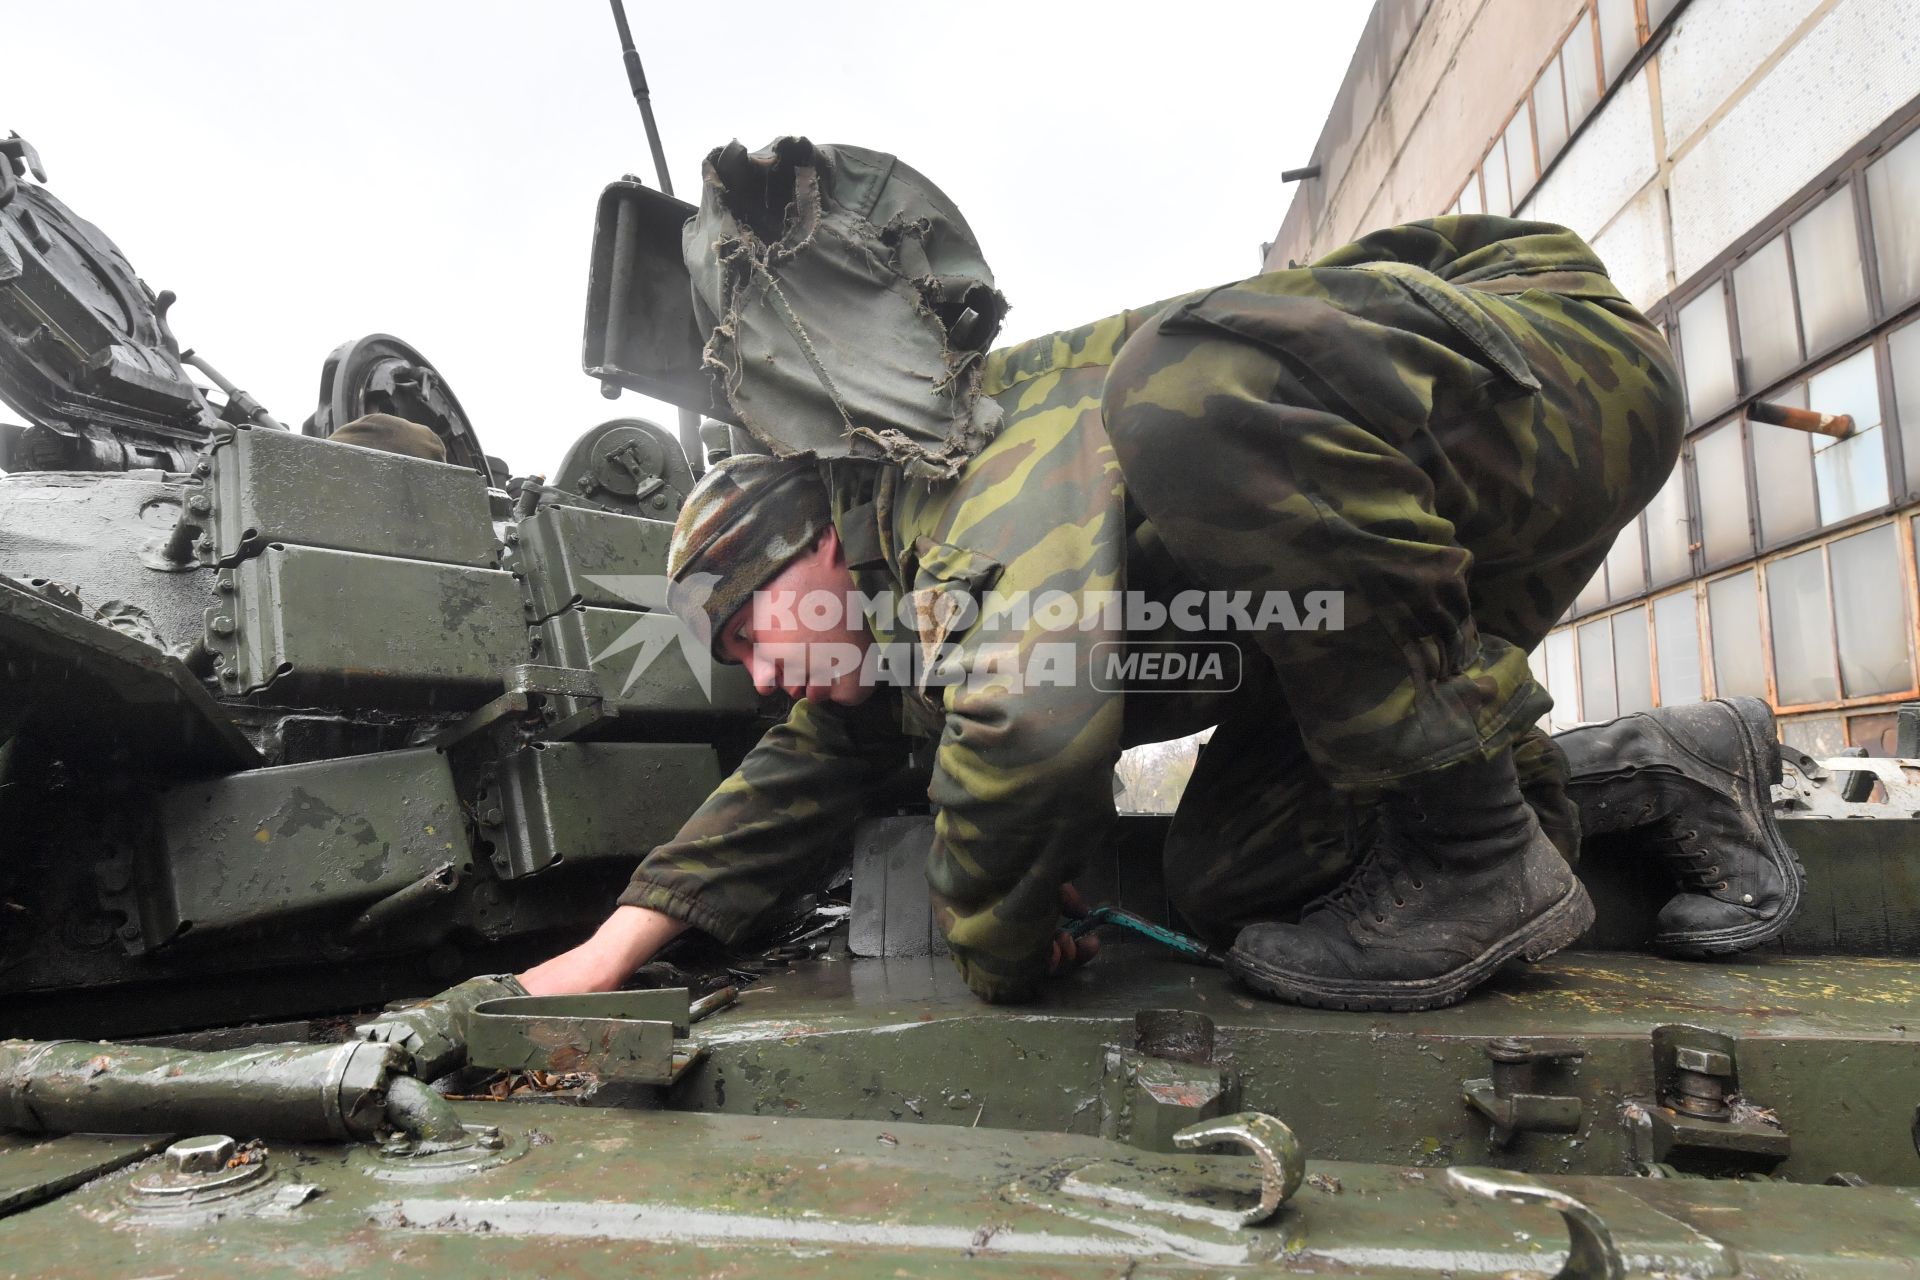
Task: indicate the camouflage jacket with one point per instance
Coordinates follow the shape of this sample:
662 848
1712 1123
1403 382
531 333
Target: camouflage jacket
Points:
1027 734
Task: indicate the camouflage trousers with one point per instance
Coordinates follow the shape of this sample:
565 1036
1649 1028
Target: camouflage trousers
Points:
1455 460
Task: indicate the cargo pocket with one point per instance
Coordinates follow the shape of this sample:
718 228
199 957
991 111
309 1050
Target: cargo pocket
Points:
1491 345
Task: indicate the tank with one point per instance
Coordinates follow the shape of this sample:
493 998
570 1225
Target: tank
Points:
292 728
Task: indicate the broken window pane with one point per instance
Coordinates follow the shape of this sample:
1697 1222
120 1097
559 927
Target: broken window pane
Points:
1493 173
1826 266
1676 629
1763 296
1802 629
1550 112
1520 165
1668 532
1619 35
1632 662
1560 679
1893 194
1597 701
1783 475
1626 571
1903 345
1733 611
1721 467
1871 611
1850 474
1706 351
1582 74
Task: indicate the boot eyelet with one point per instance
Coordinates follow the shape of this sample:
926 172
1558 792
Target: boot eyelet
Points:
1721 887
1418 885
1398 903
1379 919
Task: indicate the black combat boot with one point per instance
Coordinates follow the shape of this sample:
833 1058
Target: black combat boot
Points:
1460 879
1691 785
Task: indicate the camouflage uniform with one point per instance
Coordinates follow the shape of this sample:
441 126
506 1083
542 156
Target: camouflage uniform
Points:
1448 422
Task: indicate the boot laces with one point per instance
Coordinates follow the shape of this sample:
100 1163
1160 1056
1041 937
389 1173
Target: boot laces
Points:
1380 882
1692 863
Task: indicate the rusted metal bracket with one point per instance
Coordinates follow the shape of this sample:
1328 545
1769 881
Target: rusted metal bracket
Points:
636 1037
1282 1163
1507 1097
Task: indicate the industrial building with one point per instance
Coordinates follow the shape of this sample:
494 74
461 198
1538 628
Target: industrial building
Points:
1749 170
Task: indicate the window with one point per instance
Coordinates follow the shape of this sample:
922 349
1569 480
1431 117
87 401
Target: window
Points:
1521 169
1850 474
1676 633
1560 677
1802 629
1597 699
1827 266
1581 71
1469 201
1903 348
1550 112
1733 612
1783 475
1594 594
1626 570
1632 662
1669 532
1818 736
1769 329
1493 173
1870 613
1720 465
1893 194
1619 35
1706 354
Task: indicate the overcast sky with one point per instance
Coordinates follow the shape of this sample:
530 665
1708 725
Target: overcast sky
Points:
302 174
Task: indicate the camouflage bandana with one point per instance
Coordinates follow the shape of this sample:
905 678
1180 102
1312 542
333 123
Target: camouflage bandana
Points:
849 306
745 521
389 434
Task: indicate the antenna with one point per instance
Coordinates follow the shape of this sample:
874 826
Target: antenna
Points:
637 78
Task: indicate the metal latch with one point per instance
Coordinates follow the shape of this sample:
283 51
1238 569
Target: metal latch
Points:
1508 1096
1698 1118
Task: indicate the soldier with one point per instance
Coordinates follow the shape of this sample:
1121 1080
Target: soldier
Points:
1430 437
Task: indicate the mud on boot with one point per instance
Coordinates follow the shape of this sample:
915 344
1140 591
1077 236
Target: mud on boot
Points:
1692 785
1460 879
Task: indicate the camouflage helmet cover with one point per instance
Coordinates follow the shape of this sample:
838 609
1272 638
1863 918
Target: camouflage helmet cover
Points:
848 304
748 518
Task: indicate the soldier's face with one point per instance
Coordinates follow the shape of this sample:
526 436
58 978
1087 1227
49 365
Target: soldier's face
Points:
800 634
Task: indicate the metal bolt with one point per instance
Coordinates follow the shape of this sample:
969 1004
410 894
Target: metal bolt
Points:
199 505
221 625
206 1154
1709 1062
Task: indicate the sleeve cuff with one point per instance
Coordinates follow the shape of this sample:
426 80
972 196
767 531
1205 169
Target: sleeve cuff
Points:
655 896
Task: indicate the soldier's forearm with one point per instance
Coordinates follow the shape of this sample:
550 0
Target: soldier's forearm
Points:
630 937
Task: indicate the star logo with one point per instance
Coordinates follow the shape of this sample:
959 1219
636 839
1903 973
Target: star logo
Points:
648 591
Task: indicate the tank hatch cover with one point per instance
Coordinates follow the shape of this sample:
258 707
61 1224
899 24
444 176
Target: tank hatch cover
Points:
85 354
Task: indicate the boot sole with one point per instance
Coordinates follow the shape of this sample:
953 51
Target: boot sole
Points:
1763 753
1548 932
